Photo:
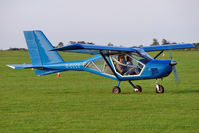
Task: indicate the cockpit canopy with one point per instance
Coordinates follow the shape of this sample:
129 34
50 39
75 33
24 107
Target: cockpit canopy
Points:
124 64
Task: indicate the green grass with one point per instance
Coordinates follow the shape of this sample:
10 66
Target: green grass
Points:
83 102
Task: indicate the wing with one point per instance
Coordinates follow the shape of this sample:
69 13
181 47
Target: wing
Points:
93 49
167 47
96 49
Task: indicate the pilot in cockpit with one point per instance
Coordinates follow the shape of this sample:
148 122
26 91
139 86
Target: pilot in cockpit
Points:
131 68
120 67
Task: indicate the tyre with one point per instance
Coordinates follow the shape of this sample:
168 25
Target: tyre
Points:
116 90
138 88
160 90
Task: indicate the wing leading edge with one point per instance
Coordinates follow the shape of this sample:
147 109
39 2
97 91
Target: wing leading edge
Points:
167 47
92 49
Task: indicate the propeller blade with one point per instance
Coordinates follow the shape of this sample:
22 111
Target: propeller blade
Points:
175 74
171 55
173 63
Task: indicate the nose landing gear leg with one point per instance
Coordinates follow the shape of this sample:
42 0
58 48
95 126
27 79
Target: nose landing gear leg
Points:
159 88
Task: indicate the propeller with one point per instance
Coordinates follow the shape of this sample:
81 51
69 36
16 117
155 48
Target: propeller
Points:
172 64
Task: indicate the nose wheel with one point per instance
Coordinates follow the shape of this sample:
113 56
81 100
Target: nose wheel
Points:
159 88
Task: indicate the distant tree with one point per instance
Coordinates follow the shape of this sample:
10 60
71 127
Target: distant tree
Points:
140 46
81 42
91 43
110 44
196 45
16 49
60 44
155 42
173 43
165 42
72 42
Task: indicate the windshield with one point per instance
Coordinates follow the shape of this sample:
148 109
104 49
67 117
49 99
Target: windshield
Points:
141 56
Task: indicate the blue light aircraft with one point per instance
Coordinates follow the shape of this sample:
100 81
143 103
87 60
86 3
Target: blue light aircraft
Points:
118 63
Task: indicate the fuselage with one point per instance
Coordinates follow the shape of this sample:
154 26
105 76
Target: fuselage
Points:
152 69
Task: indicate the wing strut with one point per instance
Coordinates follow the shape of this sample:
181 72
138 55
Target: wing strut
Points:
159 54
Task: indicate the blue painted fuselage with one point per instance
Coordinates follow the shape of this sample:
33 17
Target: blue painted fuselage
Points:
153 69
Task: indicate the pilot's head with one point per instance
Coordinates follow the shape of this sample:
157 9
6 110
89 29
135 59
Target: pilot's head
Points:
121 58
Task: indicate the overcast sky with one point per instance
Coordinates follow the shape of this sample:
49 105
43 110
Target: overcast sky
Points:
121 22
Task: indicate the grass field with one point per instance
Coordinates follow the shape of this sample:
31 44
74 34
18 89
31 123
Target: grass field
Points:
83 102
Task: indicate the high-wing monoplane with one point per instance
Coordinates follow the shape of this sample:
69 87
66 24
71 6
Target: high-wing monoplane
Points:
118 63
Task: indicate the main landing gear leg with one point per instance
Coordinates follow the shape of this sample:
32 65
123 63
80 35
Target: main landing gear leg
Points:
116 89
159 88
136 88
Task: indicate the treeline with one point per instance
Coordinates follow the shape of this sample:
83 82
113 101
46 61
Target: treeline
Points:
16 49
154 43
61 44
165 42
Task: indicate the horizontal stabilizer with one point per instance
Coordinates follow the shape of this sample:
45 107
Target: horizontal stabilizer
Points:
39 70
23 66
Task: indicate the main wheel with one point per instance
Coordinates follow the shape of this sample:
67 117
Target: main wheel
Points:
160 90
138 88
116 90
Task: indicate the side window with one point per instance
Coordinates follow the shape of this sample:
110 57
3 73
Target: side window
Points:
127 65
99 65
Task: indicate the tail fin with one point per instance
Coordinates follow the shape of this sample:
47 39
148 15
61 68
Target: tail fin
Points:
39 50
38 47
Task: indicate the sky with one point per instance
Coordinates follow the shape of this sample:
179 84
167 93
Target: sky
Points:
121 22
